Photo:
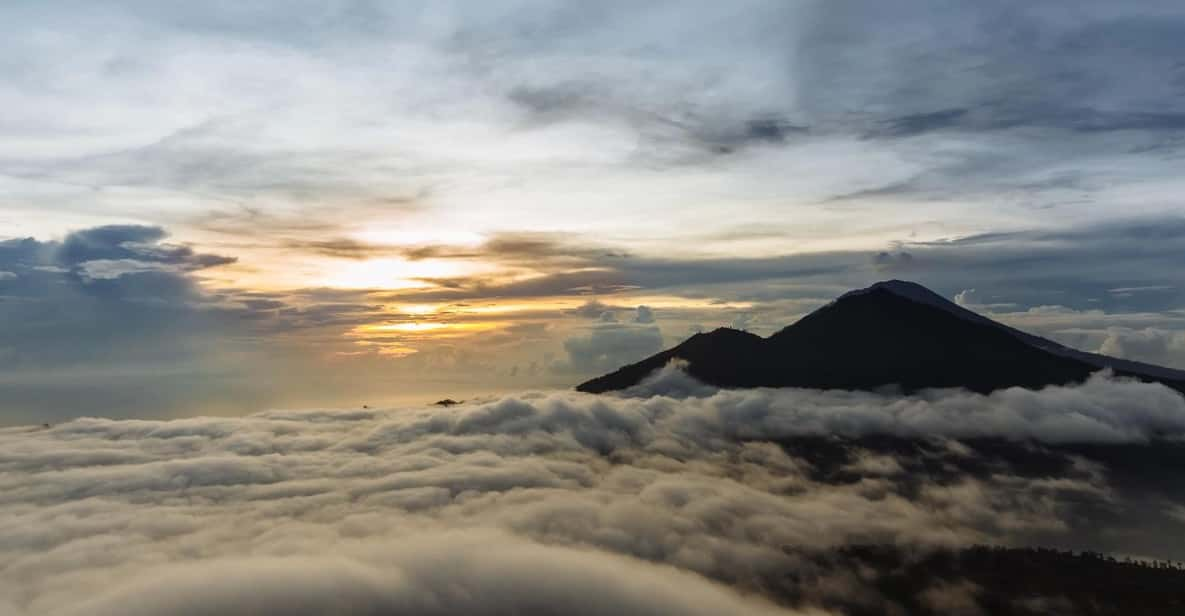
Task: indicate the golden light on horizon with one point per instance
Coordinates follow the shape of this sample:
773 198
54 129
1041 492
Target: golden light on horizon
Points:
415 309
397 350
558 304
282 272
401 339
384 348
407 327
422 327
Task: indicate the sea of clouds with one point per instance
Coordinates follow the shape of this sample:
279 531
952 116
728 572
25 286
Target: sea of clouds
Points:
672 498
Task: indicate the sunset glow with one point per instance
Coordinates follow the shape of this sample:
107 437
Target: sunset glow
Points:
593 308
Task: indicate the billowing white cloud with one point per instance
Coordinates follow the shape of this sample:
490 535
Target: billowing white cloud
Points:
536 503
610 344
1101 410
442 574
1158 345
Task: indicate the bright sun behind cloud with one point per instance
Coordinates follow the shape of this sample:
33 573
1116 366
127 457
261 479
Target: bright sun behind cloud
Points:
769 307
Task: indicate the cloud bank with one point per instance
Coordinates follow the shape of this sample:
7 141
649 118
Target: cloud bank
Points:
1101 410
690 501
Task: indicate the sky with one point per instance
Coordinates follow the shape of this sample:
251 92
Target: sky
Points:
225 207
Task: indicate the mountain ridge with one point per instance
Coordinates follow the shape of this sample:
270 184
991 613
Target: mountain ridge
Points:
893 333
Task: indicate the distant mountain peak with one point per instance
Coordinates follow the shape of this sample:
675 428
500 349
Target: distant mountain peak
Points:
904 288
893 333
908 290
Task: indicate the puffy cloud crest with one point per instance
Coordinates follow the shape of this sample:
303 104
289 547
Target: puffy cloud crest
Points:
611 343
1154 344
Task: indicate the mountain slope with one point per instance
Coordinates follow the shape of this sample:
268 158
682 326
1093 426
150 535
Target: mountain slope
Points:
893 333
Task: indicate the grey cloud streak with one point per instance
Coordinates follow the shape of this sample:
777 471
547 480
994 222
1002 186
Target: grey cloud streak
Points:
1030 267
978 98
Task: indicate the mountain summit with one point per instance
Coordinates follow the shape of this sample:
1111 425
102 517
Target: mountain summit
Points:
892 334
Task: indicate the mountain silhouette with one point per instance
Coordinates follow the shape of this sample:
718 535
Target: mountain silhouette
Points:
892 334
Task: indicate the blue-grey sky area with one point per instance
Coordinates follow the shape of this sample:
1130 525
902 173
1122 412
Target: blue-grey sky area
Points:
222 207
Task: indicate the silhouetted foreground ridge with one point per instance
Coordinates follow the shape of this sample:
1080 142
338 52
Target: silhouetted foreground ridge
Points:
893 333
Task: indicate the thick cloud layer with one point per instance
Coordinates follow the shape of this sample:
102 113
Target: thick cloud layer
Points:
1101 410
538 502
460 573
